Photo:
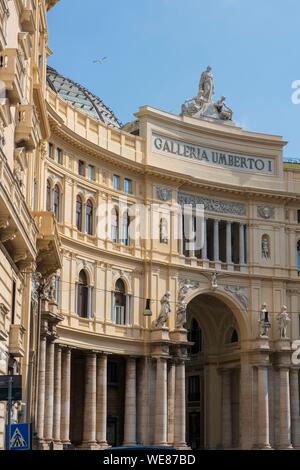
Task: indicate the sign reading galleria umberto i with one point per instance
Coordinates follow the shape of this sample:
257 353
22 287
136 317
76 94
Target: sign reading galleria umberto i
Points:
158 340
173 147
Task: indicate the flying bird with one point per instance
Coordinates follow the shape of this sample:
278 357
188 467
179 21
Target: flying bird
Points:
99 61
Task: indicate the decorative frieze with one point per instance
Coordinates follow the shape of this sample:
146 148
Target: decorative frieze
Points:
213 205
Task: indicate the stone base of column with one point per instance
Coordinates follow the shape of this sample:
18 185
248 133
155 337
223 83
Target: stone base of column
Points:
57 446
103 445
261 447
286 447
89 446
182 447
44 445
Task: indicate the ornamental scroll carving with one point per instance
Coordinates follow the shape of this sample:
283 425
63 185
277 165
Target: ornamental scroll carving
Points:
213 205
266 212
163 193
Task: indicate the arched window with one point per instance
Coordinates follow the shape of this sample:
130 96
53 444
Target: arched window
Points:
89 217
195 336
115 225
125 228
163 230
82 295
79 213
232 336
48 196
298 255
56 201
121 304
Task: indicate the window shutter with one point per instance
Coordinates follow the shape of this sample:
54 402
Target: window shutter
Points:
90 302
76 298
58 291
113 309
128 310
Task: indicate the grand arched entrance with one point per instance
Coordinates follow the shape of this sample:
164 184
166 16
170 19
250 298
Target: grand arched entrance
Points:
212 374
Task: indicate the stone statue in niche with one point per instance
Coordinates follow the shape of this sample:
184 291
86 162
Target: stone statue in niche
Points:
165 310
163 229
264 322
181 306
214 281
265 247
283 319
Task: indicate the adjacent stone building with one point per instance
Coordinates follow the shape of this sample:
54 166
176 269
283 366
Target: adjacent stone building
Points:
152 339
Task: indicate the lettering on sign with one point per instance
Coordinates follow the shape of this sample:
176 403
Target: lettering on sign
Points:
249 164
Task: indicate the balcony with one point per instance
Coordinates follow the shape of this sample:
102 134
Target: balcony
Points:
26 132
4 12
16 340
17 226
48 243
12 71
27 17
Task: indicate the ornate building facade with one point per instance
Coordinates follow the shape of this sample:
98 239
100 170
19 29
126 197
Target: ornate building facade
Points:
150 339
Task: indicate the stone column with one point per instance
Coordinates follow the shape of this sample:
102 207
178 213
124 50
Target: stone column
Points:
180 232
161 405
284 409
263 432
89 415
216 240
242 244
228 243
49 392
191 239
295 408
171 402
41 388
246 405
226 409
66 396
130 403
180 406
57 395
101 412
143 402
204 248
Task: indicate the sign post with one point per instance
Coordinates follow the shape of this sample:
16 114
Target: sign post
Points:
9 408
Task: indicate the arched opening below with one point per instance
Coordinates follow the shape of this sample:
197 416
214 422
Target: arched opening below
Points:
212 374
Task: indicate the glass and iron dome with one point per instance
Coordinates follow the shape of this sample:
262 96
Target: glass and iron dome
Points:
81 98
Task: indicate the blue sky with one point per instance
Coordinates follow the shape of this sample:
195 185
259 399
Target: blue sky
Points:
156 50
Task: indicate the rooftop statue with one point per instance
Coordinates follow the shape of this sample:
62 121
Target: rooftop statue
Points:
206 85
202 105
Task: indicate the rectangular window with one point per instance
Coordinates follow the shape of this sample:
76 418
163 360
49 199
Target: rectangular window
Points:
50 150
127 186
116 182
298 216
81 168
91 172
59 155
194 388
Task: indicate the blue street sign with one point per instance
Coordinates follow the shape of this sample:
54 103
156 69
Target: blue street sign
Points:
20 436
